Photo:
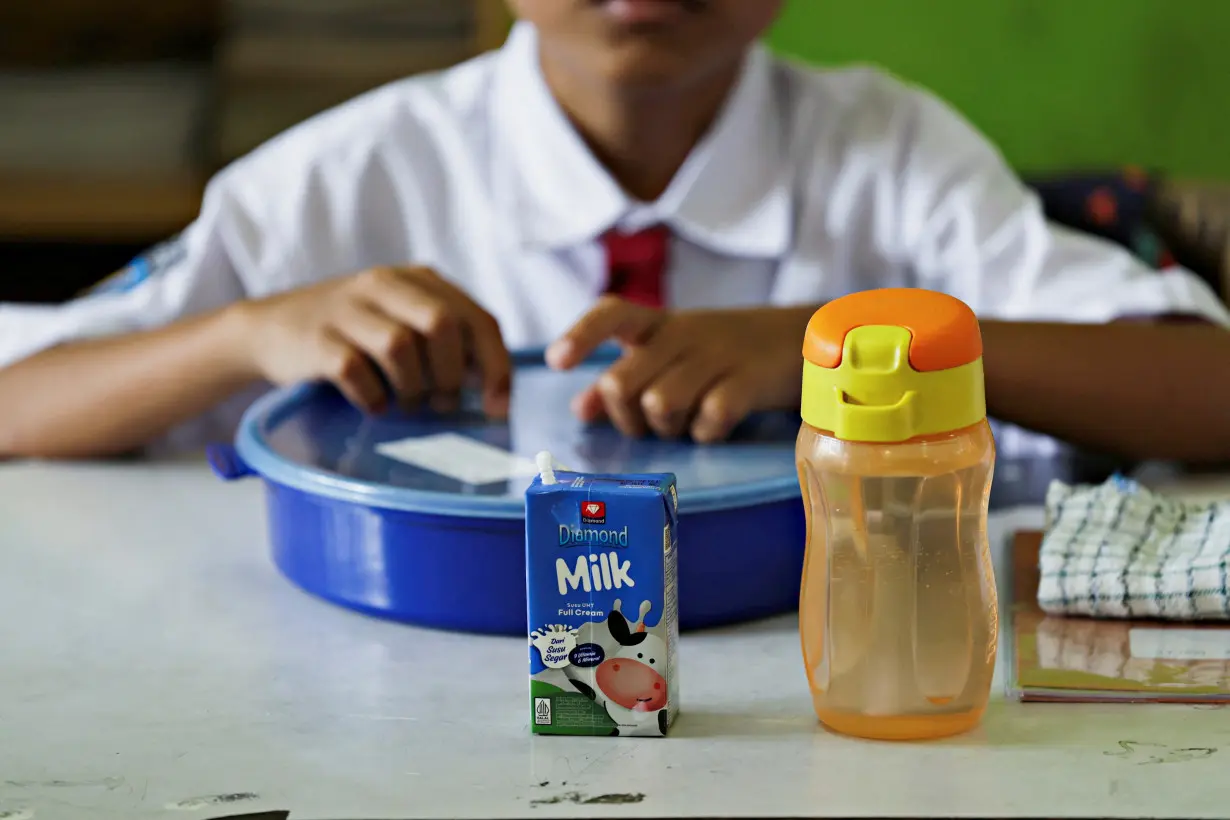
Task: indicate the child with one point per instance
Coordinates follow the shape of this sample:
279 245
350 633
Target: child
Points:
533 196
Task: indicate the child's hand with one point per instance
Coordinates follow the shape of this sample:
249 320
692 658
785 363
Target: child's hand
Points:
423 333
696 371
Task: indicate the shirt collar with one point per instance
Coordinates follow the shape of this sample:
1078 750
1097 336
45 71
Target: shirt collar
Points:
733 195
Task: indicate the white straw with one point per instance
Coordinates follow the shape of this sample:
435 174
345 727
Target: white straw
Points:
546 467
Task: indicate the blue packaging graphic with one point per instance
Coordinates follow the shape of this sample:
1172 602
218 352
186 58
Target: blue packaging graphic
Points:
603 604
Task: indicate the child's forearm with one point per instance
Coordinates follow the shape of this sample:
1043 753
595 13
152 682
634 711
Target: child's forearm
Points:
1141 391
111 396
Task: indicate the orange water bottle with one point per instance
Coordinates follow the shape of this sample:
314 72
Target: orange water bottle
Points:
898 614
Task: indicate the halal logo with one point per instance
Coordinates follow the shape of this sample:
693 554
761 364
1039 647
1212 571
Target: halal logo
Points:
593 512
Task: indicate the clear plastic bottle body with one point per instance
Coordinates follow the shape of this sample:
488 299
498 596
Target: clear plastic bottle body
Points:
898 613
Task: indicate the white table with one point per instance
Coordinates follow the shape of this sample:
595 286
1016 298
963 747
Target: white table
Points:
154 663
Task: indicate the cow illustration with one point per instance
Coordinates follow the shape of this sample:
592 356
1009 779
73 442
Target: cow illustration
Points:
629 683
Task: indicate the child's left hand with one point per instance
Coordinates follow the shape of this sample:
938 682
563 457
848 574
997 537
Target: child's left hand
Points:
700 371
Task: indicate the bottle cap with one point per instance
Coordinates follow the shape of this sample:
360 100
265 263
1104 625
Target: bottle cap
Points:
893 364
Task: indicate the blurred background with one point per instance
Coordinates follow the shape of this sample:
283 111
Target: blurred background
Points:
114 114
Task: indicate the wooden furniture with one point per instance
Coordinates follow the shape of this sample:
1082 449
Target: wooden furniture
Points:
109 210
267 64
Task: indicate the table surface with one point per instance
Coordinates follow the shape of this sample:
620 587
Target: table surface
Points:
156 666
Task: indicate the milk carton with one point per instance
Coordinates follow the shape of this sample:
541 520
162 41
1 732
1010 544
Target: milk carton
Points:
603 614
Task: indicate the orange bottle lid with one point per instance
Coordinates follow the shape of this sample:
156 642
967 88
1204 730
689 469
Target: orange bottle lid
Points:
944 331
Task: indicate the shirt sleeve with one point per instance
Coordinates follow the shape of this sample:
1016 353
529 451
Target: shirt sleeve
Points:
188 274
971 228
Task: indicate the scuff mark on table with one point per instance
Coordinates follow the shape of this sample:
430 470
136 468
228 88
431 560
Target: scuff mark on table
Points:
580 799
198 803
1146 754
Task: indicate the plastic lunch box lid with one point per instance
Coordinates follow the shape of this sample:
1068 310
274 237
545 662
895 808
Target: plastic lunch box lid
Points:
310 439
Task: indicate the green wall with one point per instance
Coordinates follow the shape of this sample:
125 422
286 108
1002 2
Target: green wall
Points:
1055 83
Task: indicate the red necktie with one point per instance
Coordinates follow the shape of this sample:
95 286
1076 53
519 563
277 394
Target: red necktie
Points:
636 265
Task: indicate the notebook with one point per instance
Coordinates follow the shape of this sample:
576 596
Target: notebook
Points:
1056 660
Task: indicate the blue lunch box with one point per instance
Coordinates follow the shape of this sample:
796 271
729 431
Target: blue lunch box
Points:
397 516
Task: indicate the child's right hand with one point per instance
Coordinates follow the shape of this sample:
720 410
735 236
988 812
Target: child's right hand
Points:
422 332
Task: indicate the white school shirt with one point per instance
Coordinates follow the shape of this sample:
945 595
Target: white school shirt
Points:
810 185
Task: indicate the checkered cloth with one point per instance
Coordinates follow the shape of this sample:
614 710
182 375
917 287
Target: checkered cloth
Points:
1120 551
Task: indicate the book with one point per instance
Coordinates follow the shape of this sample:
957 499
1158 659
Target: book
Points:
1084 660
380 19
116 121
248 115
267 58
270 81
